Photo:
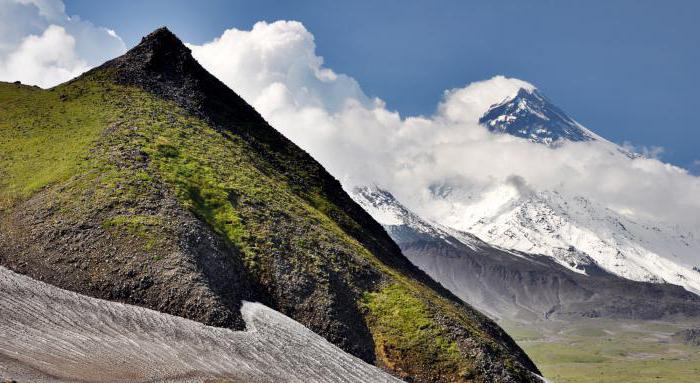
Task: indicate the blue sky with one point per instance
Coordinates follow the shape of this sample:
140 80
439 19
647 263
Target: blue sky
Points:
626 69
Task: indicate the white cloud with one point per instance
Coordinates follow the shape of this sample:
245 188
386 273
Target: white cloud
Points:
646 151
275 67
52 10
468 104
41 45
282 56
41 60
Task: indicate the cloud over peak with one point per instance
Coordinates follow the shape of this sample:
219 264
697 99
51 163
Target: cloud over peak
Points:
469 103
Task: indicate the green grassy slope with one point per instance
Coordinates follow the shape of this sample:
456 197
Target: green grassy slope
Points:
117 191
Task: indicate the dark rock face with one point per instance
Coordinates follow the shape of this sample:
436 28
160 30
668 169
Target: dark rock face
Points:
163 65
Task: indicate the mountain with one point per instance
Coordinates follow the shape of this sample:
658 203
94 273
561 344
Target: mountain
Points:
577 231
573 229
551 222
520 286
157 346
528 114
147 181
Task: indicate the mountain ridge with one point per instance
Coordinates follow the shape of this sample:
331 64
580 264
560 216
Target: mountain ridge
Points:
173 194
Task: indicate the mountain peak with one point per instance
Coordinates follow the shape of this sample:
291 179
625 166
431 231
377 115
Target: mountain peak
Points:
160 53
163 65
162 33
530 115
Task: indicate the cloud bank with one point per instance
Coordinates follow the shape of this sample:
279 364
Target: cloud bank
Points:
274 66
41 45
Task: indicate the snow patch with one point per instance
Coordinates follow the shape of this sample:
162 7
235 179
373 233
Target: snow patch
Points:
52 335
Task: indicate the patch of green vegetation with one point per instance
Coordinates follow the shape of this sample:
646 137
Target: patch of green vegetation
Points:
599 350
197 186
406 334
142 226
45 134
587 332
520 332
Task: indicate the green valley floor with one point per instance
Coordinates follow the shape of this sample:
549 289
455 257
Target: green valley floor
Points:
604 350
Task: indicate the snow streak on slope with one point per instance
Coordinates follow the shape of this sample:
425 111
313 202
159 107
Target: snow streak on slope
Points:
52 335
576 231
389 212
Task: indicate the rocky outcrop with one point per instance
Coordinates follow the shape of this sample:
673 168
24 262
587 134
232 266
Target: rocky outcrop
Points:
689 336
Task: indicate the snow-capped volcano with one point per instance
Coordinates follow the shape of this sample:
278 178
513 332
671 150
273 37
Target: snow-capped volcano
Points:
562 222
528 114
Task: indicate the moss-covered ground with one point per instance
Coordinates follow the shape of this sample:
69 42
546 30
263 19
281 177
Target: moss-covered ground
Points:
403 325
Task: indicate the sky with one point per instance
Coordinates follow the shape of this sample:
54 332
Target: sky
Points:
391 94
625 69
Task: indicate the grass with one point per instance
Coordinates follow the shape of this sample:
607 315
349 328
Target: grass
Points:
44 135
604 351
143 226
405 326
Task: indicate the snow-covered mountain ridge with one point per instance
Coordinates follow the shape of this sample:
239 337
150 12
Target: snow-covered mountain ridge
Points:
575 231
386 210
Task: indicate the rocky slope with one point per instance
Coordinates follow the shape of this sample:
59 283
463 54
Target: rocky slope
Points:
149 182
